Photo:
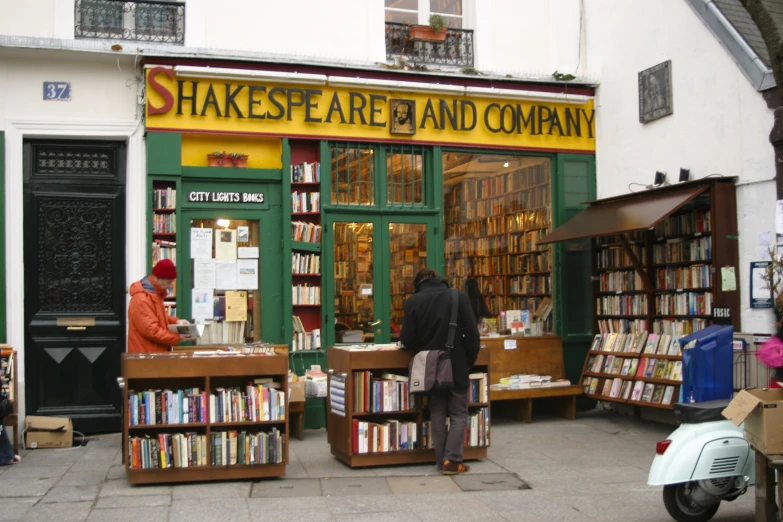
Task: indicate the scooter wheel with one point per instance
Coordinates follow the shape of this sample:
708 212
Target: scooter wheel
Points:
678 503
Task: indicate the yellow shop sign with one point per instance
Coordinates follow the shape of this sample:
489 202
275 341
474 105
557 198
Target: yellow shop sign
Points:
266 108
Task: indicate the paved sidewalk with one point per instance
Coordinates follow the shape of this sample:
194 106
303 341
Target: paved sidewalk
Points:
591 469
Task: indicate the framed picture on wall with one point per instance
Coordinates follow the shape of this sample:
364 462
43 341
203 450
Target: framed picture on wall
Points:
655 92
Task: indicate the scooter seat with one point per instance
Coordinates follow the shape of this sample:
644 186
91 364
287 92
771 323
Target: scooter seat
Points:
697 412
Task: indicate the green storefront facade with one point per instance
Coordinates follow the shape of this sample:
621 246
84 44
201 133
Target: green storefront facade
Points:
360 167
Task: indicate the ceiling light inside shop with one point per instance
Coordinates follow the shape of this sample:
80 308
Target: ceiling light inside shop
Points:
223 223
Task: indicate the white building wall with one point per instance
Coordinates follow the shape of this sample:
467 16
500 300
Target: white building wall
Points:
720 123
346 29
103 107
28 18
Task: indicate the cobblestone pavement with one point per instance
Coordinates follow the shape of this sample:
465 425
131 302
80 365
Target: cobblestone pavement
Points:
591 469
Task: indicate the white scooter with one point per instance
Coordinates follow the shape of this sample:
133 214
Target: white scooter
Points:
704 461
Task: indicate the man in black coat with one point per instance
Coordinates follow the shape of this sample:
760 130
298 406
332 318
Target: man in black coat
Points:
426 327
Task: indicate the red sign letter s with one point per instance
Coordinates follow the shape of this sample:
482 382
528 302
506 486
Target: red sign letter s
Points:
168 98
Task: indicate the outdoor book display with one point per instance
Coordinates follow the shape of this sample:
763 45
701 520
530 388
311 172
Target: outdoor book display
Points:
8 387
636 368
374 421
205 415
656 285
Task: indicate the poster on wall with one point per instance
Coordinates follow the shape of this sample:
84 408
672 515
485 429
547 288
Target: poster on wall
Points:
247 274
236 306
226 274
200 243
202 305
226 244
204 273
760 291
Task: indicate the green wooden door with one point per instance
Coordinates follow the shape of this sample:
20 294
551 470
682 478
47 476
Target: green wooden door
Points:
374 259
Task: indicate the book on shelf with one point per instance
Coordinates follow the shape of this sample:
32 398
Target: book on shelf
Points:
217 332
304 340
593 386
305 294
647 394
478 388
302 202
167 450
638 388
305 232
616 386
374 394
306 172
307 264
254 403
651 346
389 435
151 407
7 373
657 396
231 448
164 198
668 395
626 391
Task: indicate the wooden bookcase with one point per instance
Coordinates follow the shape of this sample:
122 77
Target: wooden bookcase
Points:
183 369
623 347
164 231
667 280
305 180
345 363
492 228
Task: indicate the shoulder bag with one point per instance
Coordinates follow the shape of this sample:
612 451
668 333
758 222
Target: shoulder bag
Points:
430 370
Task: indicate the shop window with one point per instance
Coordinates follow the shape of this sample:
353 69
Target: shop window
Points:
404 180
496 208
419 11
224 284
353 175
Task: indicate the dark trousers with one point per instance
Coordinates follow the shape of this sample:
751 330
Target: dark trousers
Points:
6 448
448 444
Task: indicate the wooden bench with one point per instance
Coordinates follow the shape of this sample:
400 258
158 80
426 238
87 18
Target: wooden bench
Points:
532 355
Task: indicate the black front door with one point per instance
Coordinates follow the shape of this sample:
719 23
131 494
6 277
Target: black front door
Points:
74 259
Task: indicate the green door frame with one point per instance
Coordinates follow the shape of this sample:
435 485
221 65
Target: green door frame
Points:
381 267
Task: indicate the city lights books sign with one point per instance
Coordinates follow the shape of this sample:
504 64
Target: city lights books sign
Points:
256 107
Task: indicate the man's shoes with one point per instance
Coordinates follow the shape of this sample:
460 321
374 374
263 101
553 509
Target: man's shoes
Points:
454 468
14 460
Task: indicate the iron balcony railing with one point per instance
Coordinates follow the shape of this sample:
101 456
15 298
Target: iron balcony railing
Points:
144 20
456 49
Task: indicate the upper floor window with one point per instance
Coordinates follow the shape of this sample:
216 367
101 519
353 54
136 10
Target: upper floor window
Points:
419 11
147 20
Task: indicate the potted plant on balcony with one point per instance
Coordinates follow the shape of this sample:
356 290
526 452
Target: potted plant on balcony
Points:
435 32
227 159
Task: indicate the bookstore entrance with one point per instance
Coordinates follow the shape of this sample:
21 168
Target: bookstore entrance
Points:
74 281
375 259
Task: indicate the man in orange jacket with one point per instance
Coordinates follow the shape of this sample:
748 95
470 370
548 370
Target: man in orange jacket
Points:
148 320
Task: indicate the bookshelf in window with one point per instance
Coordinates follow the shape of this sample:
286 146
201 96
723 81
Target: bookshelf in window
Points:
664 282
305 183
372 421
179 424
492 226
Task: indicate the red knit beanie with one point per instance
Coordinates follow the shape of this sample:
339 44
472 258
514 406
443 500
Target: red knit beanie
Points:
165 269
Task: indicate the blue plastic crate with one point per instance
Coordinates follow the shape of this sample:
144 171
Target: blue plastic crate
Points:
707 371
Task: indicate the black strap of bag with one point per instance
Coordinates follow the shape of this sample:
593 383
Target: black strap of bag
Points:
453 321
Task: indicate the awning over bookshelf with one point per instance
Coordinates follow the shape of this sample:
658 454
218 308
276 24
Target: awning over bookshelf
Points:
640 211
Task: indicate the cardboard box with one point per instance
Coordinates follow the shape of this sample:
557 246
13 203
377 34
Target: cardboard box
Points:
762 412
296 391
48 432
